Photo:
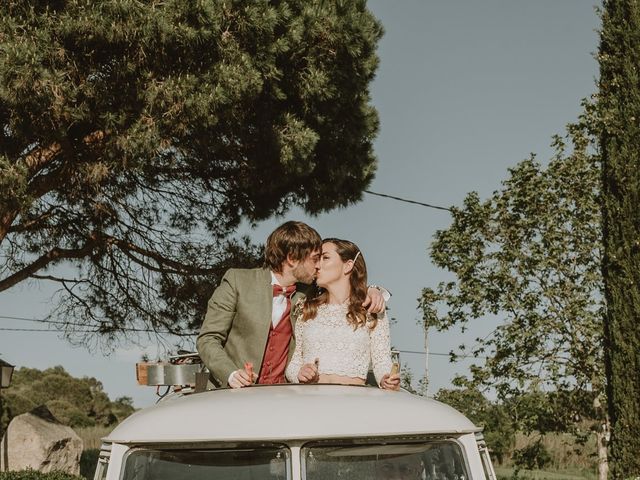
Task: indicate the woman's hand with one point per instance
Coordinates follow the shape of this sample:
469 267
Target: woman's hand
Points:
390 382
309 373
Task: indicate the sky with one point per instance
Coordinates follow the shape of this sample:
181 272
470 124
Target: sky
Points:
465 90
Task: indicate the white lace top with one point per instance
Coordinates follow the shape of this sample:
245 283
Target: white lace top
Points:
341 350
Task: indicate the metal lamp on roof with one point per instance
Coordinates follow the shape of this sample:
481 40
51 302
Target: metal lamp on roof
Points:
6 372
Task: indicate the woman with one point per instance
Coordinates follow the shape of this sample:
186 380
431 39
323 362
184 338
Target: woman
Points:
336 340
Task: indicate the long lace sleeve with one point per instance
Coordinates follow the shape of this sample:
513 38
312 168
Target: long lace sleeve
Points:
296 360
380 348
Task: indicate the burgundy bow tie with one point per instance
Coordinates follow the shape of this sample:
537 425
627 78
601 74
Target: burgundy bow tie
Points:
286 291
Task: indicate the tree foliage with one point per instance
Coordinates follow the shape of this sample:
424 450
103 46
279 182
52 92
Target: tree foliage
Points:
135 136
498 426
530 257
77 402
619 110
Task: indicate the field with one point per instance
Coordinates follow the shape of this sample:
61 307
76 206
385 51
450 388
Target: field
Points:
91 436
567 460
504 473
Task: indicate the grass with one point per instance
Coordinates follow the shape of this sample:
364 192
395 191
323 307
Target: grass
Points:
504 473
91 440
92 436
565 452
568 460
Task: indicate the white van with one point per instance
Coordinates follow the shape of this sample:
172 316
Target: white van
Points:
294 432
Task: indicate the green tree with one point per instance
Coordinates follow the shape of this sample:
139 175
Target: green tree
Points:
122 407
619 110
498 426
77 402
135 136
530 256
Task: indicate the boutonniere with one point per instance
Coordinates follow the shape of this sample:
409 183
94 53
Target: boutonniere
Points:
296 311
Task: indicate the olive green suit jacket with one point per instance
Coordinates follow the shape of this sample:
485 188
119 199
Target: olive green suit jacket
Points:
236 325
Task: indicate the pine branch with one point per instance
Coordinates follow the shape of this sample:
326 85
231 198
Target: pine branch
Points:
53 255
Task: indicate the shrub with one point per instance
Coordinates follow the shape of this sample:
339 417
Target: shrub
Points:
89 462
69 414
532 457
35 475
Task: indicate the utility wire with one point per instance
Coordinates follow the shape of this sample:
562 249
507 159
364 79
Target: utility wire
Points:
437 354
43 320
384 195
25 319
42 330
96 330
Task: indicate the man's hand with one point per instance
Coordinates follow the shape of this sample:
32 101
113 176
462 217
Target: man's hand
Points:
309 373
390 382
241 378
374 303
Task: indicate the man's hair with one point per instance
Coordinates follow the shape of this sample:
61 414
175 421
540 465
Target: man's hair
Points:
292 239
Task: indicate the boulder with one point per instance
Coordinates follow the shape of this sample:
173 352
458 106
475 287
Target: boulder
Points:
37 440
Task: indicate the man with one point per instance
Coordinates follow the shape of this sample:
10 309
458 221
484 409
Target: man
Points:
248 317
401 467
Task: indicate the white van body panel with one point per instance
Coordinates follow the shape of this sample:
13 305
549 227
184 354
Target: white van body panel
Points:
118 452
289 412
468 441
298 418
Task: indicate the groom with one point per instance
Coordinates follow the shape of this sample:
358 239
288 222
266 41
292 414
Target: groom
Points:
248 316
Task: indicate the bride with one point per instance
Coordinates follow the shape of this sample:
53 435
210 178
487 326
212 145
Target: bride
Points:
336 339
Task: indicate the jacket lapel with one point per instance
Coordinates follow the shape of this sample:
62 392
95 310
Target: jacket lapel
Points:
265 290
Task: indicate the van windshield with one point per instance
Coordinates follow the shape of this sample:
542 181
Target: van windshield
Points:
437 460
263 463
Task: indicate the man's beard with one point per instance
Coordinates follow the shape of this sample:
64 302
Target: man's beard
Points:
302 276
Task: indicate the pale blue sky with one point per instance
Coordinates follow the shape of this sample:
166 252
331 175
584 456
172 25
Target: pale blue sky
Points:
465 90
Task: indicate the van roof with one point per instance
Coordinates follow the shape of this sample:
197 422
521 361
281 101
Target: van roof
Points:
289 412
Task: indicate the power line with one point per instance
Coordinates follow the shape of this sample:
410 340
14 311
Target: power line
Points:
4 329
97 330
43 320
437 354
417 352
384 195
18 318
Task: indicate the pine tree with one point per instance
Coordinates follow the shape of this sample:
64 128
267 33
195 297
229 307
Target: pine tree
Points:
619 105
136 136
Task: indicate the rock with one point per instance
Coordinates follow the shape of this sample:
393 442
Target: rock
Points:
37 440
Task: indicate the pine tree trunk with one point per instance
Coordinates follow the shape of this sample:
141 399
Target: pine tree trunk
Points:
619 104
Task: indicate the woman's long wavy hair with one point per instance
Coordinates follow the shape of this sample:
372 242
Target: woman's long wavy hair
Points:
357 314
